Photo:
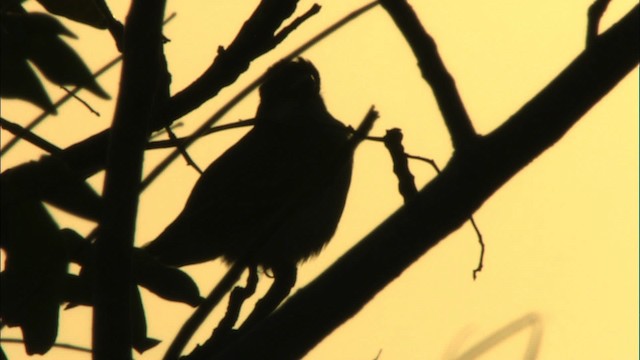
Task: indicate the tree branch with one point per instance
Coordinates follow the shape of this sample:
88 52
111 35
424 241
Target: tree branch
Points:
469 179
596 10
406 183
141 93
29 136
434 72
256 37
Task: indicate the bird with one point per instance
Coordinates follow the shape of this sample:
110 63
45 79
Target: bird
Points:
273 199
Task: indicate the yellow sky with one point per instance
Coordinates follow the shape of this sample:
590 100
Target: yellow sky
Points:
562 236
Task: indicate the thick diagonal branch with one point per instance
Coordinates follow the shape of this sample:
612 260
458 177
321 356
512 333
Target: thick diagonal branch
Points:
434 72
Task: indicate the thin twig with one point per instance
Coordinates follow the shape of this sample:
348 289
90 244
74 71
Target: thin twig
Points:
471 219
73 94
427 160
365 126
482 248
183 151
594 14
58 345
162 144
162 131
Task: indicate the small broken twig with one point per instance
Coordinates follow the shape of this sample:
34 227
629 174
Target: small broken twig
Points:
406 183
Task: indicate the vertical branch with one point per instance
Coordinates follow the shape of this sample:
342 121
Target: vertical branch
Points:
406 183
141 91
433 71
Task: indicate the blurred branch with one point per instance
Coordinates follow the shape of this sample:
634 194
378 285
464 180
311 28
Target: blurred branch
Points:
434 72
58 345
143 88
531 320
34 139
469 179
594 14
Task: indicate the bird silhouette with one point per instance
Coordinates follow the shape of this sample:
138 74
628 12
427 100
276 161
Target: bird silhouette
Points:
275 197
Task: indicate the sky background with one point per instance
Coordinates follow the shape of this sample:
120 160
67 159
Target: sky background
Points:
561 236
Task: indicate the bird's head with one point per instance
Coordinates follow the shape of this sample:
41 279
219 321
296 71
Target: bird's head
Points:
291 87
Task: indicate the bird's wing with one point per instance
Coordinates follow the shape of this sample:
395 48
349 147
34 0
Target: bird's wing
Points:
241 196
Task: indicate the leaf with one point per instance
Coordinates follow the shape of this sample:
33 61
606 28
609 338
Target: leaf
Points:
57 60
70 192
140 341
53 181
35 268
165 281
35 37
18 79
84 11
40 23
